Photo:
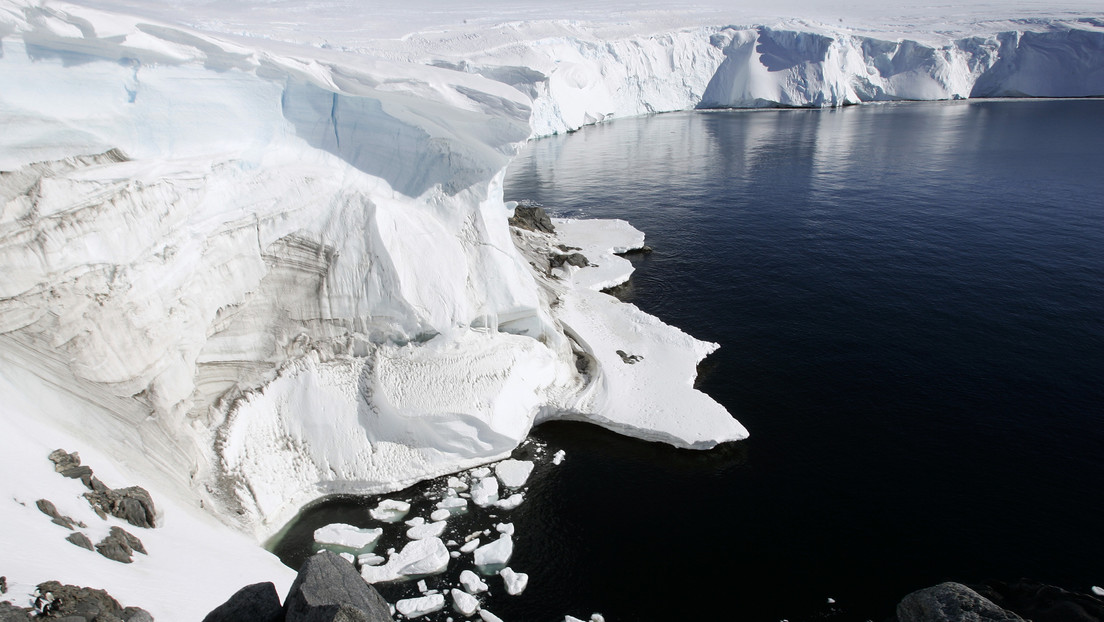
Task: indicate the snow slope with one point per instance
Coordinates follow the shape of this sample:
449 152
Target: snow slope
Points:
254 253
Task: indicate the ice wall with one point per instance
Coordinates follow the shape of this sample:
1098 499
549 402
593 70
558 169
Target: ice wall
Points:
273 270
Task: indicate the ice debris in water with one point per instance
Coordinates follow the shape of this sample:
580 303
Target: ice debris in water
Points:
369 559
420 529
506 528
513 473
342 536
472 583
558 457
496 553
390 510
420 606
480 473
515 581
485 491
487 616
439 515
417 558
454 505
511 502
1099 591
464 603
457 484
470 546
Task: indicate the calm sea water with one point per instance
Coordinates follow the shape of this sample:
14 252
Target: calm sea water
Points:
910 305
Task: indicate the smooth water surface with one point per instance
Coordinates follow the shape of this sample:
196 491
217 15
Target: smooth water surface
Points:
910 305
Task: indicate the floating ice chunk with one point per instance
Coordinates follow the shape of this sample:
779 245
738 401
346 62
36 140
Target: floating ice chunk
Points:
464 603
454 554
472 583
572 619
496 554
454 505
1099 591
390 510
511 502
480 472
558 457
347 537
487 616
422 587
439 515
349 557
457 484
513 473
369 559
506 528
425 530
597 617
470 546
485 491
515 581
417 558
420 606
831 601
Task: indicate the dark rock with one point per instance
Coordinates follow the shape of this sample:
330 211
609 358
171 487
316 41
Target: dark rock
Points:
951 602
328 588
136 614
133 504
576 259
629 359
1043 603
253 603
3 585
69 602
64 460
531 218
80 540
47 507
120 545
11 613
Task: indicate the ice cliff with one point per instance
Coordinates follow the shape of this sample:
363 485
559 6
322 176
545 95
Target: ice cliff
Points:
255 270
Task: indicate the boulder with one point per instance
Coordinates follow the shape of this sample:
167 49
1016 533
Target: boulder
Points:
47 507
329 588
11 613
1043 603
119 545
951 602
253 603
80 540
532 218
132 504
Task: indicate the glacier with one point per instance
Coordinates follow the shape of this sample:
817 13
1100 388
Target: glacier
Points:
253 260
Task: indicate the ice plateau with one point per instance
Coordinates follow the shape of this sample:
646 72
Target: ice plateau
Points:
248 262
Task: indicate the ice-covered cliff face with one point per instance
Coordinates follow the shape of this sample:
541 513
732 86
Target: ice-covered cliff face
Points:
270 270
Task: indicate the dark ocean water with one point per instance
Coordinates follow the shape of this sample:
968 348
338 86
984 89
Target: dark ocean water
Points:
910 305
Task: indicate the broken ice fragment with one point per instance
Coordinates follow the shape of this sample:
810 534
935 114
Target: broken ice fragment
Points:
485 491
513 473
487 616
390 510
418 558
515 581
470 546
558 457
491 557
511 502
417 607
423 530
464 603
472 583
347 538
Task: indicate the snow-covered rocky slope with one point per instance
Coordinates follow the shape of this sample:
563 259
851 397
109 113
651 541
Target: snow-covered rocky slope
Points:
252 257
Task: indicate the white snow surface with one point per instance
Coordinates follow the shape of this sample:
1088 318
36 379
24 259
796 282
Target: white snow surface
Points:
249 260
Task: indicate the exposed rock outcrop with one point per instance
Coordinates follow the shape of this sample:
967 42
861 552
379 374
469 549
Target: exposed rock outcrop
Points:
329 588
951 602
253 603
531 218
1043 603
132 504
80 604
120 545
